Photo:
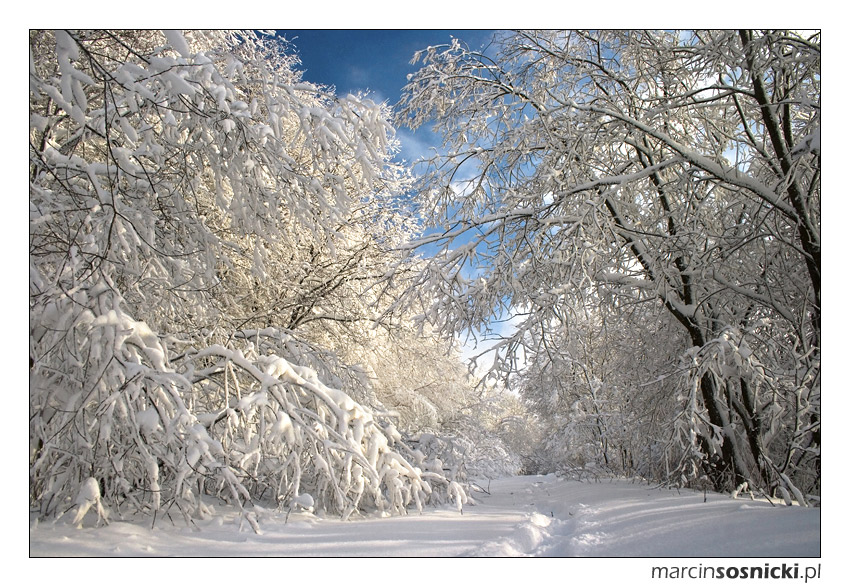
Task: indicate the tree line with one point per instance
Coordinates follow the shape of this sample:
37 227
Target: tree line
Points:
228 299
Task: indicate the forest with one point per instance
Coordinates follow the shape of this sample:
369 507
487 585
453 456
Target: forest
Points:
239 293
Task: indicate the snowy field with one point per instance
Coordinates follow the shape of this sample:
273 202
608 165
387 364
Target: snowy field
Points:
521 516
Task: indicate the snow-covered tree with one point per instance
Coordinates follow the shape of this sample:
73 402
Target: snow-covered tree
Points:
676 171
605 392
200 218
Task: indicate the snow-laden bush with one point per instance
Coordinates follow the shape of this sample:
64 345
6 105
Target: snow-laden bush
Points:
471 454
162 430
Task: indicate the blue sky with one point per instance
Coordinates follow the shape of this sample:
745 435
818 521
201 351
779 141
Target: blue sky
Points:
376 60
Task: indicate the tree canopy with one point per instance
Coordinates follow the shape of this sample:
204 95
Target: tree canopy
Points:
660 176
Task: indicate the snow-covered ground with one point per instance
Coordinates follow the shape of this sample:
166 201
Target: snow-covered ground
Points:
521 516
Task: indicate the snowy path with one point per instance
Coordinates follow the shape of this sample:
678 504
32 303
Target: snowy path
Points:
615 518
522 516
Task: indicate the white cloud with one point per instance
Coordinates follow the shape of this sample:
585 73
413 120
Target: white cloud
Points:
416 145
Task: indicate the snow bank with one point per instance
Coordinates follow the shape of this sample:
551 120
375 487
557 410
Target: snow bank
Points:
521 516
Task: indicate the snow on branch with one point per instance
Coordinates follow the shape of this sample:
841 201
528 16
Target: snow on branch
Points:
221 422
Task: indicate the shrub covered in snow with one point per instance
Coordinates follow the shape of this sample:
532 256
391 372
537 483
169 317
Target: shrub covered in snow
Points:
135 426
